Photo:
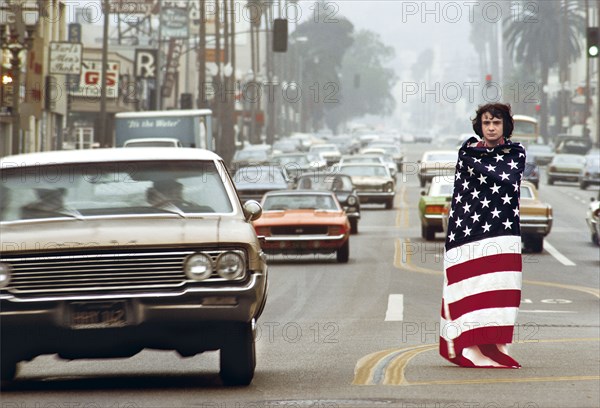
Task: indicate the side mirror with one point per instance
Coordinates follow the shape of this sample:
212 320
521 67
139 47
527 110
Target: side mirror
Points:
252 210
422 192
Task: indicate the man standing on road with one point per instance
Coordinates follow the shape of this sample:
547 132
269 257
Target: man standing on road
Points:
482 263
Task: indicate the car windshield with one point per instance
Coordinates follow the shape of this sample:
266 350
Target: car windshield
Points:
292 161
367 171
251 155
80 190
325 182
259 174
441 190
567 159
526 192
539 149
299 202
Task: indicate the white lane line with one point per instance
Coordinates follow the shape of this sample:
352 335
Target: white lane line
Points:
559 257
395 309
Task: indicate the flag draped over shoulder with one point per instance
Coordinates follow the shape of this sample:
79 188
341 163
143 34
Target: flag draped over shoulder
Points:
482 263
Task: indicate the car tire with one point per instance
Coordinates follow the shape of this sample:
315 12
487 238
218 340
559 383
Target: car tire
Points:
238 356
343 254
595 239
535 243
422 182
550 181
354 226
583 185
389 204
427 234
8 370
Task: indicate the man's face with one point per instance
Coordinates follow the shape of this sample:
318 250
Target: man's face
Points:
492 129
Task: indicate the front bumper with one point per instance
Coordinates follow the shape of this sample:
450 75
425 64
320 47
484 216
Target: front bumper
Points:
375 196
303 243
193 320
561 175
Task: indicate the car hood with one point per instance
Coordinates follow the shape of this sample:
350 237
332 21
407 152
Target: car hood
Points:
301 217
123 232
369 180
441 165
243 186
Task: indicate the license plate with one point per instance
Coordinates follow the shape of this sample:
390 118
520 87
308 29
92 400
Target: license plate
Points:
98 315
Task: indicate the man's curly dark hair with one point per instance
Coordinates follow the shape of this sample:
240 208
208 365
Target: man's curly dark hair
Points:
497 110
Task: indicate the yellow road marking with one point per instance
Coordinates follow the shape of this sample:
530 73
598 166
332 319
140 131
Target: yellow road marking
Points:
402 213
388 367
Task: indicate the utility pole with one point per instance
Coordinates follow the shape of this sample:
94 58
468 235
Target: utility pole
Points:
102 128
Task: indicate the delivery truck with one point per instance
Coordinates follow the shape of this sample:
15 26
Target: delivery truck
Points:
191 127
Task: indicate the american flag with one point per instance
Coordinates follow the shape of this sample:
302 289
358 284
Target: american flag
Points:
482 264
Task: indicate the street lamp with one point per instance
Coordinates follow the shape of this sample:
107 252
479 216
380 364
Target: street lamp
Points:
14 39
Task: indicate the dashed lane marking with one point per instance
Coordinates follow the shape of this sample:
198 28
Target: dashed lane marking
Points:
395 308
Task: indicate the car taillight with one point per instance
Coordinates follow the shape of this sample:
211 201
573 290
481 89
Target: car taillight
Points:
552 168
434 209
263 231
597 213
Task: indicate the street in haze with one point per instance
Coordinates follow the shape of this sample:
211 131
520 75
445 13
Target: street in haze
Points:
364 334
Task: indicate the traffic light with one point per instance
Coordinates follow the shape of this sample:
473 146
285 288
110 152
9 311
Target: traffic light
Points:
280 35
593 42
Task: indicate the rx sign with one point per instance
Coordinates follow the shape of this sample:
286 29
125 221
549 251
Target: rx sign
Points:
145 63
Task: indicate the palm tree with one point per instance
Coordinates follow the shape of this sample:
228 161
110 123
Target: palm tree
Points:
543 37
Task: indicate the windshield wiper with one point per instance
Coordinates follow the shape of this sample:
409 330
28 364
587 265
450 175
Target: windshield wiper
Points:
170 208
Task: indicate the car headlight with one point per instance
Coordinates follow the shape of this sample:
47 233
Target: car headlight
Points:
230 265
351 200
198 267
389 186
5 272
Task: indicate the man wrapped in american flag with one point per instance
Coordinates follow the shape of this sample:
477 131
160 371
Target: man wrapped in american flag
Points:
482 263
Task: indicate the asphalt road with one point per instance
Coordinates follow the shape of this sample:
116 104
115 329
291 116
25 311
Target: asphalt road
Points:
364 334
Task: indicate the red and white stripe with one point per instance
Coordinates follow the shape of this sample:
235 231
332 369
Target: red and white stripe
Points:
481 297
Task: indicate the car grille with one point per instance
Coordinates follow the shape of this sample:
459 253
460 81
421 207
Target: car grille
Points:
300 230
365 189
69 274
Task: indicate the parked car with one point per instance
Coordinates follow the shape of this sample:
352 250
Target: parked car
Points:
373 182
565 167
153 142
304 222
590 173
535 218
437 163
592 219
252 182
125 249
341 185
531 173
539 154
431 206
